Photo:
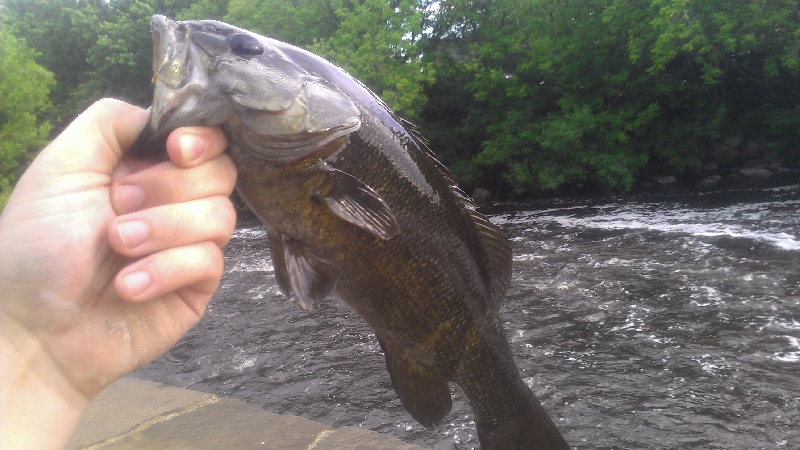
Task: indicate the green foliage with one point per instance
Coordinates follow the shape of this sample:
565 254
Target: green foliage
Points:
119 55
377 41
24 96
598 93
202 9
53 28
518 95
95 48
298 22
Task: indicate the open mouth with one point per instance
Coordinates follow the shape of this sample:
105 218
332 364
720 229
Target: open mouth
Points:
170 51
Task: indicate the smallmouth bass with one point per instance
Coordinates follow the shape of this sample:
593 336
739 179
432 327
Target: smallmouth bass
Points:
356 205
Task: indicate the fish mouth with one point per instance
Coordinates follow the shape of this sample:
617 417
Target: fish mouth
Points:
170 51
171 68
171 71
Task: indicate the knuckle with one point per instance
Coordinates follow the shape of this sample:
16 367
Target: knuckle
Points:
214 259
219 214
228 173
228 217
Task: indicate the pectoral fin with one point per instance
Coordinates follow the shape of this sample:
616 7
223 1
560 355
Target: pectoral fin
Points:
301 273
424 393
352 200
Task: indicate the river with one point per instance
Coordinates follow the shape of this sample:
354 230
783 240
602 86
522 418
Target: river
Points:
640 322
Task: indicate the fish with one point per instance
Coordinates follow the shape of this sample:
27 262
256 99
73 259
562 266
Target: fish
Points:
356 206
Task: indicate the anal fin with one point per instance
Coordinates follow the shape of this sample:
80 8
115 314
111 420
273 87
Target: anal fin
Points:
424 393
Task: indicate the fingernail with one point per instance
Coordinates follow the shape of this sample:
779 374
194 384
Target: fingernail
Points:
128 198
191 147
136 282
133 232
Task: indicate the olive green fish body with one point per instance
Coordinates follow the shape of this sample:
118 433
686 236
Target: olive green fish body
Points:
388 281
355 204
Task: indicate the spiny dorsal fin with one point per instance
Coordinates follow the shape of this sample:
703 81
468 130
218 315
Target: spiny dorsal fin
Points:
494 244
299 272
424 393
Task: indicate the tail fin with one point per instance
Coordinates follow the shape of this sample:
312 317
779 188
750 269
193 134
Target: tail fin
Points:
530 429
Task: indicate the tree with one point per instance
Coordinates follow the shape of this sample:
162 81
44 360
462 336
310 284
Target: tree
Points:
118 59
727 66
61 35
519 95
298 22
95 48
600 93
24 97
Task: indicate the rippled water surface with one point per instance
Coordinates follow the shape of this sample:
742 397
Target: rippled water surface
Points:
641 323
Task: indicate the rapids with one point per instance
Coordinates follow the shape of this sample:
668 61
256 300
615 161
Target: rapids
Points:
646 322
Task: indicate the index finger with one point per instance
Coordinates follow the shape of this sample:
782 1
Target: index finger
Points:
192 146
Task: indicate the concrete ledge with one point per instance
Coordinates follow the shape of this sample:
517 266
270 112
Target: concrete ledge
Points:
139 414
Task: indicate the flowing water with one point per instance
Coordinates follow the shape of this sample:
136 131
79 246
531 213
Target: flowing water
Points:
641 323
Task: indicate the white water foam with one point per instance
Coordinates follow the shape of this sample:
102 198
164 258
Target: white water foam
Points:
774 223
792 355
249 233
242 360
257 264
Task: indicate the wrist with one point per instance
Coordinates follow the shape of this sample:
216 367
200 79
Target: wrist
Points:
38 406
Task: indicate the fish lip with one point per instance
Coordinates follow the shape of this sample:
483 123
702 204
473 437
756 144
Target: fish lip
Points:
171 72
170 51
171 69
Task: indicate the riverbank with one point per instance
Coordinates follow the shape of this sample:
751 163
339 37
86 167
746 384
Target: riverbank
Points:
140 414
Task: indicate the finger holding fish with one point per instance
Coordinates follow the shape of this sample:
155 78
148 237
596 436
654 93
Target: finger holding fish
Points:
191 146
154 207
166 183
162 227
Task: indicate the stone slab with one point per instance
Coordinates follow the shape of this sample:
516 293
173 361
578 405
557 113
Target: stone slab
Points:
128 403
225 424
352 438
142 415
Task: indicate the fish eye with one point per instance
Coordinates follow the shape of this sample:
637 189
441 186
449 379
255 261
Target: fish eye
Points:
245 45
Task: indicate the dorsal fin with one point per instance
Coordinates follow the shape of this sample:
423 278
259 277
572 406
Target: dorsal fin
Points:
496 249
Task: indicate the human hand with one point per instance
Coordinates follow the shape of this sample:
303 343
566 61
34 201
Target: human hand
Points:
105 262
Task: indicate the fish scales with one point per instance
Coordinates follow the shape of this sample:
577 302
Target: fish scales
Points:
355 205
408 270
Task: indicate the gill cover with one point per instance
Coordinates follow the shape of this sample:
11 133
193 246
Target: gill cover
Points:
206 72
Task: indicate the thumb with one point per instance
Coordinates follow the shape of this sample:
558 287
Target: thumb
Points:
96 139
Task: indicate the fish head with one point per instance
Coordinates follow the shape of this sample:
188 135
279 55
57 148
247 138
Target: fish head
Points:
208 72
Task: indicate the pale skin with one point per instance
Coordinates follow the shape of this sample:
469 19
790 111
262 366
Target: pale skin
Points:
105 262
